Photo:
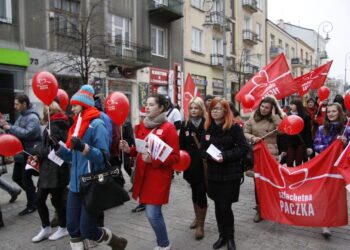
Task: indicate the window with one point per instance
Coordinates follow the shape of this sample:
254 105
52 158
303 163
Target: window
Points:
68 5
247 23
259 60
161 2
287 50
293 52
197 40
217 47
218 5
247 54
119 30
259 31
280 43
197 3
5 11
259 4
233 41
272 40
158 41
67 18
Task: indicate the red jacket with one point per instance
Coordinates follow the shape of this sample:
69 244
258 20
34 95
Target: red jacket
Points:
152 180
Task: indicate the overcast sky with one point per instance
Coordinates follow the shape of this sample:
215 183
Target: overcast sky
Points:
309 14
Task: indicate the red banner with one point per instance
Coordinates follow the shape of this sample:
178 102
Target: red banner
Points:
311 194
274 79
313 79
190 91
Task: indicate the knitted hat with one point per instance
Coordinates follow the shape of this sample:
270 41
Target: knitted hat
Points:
143 111
84 97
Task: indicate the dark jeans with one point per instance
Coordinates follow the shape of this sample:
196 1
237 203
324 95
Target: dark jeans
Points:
57 201
79 222
225 219
199 194
24 179
297 154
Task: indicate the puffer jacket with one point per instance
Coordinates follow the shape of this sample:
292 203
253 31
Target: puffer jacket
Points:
322 140
96 136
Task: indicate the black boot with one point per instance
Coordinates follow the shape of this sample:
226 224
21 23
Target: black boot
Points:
231 244
1 221
220 242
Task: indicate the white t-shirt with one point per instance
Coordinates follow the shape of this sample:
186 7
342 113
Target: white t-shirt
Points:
174 116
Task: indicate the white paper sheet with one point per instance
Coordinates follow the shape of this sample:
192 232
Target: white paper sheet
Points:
214 152
53 157
141 146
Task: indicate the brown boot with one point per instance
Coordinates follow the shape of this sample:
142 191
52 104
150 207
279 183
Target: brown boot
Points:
202 212
195 222
110 239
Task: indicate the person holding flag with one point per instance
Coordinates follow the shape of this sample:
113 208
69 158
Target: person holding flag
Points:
334 127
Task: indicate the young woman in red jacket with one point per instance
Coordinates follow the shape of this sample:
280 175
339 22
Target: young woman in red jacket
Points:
153 177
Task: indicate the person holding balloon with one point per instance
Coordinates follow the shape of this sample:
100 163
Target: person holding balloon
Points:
153 177
224 169
53 178
262 125
27 129
190 136
86 143
334 127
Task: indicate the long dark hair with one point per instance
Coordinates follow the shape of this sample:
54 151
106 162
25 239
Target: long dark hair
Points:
300 108
258 116
160 100
341 119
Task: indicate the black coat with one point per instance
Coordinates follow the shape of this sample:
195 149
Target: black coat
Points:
229 142
304 137
51 175
195 173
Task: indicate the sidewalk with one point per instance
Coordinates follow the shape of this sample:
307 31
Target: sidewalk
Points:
18 231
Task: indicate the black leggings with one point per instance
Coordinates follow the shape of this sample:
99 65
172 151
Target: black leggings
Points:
199 194
225 219
57 201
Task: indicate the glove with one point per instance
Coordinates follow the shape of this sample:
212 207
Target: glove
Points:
54 144
77 144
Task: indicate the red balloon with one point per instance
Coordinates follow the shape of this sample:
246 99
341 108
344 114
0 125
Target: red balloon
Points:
117 107
323 93
347 101
291 125
184 162
10 145
45 86
248 101
63 99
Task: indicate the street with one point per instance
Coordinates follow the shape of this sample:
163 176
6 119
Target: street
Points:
18 231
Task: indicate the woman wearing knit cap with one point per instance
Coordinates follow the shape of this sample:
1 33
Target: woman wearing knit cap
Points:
86 143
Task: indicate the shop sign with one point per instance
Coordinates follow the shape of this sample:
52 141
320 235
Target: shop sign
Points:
159 76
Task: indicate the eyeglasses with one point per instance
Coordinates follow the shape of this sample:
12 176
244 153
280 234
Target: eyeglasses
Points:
217 109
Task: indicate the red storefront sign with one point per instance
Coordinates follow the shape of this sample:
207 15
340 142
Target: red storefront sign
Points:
158 76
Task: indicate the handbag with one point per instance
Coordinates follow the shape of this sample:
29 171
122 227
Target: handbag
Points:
100 190
205 163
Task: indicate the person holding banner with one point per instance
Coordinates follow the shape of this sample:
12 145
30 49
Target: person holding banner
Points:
334 127
53 176
223 145
87 144
190 136
262 125
153 174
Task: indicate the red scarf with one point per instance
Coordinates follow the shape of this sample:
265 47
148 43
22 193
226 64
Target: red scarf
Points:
86 116
58 116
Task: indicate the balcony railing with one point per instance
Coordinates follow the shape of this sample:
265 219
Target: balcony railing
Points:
166 10
299 62
323 55
250 5
126 52
275 51
217 60
250 37
214 18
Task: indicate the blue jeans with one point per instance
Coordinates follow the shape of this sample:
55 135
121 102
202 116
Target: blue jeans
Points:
156 219
79 222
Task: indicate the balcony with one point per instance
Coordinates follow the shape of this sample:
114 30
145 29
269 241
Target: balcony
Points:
323 55
250 69
250 37
299 62
214 18
166 10
217 60
127 53
275 51
250 5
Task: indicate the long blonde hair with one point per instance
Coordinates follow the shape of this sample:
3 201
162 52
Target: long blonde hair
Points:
54 108
199 102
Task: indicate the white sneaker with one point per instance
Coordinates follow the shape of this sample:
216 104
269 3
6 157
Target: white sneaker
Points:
163 248
61 232
42 235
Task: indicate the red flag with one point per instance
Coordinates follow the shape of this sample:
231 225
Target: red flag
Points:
311 194
274 79
343 165
190 91
313 79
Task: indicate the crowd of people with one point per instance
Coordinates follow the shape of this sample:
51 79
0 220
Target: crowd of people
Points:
87 136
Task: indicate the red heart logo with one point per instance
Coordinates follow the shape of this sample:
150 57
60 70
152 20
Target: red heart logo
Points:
261 79
293 178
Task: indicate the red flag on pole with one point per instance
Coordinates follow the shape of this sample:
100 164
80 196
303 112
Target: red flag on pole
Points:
274 79
190 91
313 79
343 165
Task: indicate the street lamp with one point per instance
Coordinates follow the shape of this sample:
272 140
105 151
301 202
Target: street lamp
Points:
346 60
223 25
327 27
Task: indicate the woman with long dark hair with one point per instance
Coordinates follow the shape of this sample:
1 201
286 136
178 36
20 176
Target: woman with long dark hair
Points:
224 170
302 142
190 136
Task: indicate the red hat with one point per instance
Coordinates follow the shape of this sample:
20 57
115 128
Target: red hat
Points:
143 111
